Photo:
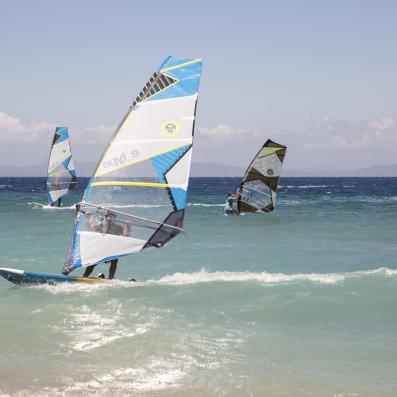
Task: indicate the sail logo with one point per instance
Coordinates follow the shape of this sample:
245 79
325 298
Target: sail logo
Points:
120 160
270 172
170 128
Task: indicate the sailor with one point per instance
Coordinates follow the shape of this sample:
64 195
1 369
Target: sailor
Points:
56 203
109 226
229 205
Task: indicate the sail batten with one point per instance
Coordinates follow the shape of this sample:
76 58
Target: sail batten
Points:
144 170
61 174
128 215
260 182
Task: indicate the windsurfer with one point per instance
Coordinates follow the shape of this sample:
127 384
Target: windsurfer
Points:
229 205
109 225
56 203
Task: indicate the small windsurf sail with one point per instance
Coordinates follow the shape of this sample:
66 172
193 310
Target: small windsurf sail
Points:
259 184
137 196
61 177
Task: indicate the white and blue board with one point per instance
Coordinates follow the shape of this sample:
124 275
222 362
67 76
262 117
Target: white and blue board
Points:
22 277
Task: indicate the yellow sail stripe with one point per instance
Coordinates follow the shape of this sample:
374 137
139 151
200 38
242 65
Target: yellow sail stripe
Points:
122 183
197 60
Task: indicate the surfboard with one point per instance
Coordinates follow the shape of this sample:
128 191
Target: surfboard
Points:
22 277
38 205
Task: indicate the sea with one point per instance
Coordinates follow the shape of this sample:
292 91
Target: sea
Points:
299 302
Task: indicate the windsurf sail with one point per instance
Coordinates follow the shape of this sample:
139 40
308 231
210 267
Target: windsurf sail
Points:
61 176
259 184
136 198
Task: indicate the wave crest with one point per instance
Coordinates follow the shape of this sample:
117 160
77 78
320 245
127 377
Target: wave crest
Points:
203 276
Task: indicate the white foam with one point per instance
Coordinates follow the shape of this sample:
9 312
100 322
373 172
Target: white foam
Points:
135 206
85 289
205 205
155 376
48 207
303 186
203 276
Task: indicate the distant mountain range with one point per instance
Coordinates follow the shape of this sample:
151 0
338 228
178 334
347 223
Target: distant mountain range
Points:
213 169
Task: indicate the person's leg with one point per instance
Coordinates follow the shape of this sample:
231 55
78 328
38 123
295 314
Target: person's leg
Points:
88 270
112 268
59 202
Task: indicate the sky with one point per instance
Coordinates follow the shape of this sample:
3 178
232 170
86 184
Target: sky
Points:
317 76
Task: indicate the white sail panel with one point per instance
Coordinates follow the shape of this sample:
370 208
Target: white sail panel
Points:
146 132
137 195
57 194
268 165
177 175
95 247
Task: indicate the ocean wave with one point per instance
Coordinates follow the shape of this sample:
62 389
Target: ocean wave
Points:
360 199
203 276
371 199
205 205
46 207
303 186
135 205
156 376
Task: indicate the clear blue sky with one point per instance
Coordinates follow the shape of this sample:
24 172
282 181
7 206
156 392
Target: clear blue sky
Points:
319 76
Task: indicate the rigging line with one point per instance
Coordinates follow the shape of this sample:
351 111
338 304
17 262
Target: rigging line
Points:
131 216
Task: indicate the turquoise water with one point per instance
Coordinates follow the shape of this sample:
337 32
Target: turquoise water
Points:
300 302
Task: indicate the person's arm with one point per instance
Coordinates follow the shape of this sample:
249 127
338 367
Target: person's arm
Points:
127 229
237 194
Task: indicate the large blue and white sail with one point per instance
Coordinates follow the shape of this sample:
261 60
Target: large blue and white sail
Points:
61 176
137 196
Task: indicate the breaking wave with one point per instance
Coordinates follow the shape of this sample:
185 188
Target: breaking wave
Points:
205 205
303 186
204 276
47 207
